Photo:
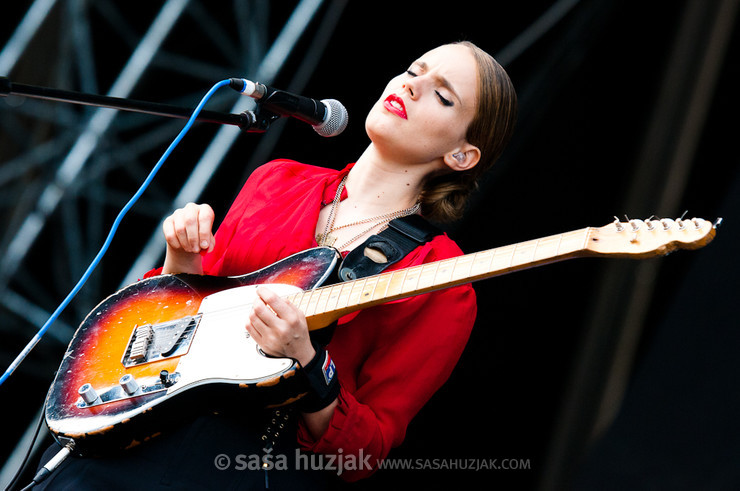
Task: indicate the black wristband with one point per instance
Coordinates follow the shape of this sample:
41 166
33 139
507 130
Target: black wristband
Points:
321 375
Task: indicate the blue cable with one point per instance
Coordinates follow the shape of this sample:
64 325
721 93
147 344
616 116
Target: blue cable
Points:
112 232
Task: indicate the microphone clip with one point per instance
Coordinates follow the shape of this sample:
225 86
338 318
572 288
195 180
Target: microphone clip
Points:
259 120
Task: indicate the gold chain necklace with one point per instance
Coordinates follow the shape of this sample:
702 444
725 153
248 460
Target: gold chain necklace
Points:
328 239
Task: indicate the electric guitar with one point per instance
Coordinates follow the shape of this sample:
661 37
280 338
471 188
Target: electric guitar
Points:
174 342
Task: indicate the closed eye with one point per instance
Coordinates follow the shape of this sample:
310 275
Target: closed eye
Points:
445 102
442 99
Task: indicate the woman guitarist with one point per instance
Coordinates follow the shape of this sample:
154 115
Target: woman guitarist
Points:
434 130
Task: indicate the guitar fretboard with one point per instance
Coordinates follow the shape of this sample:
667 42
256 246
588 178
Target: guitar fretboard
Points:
331 302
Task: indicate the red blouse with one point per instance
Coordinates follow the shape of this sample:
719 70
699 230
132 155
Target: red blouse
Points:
390 359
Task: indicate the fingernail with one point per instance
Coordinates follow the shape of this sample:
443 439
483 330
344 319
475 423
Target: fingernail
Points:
204 244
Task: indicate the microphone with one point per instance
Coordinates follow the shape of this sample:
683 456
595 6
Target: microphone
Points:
328 117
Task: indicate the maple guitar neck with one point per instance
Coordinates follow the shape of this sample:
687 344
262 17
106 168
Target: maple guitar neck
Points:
327 304
636 239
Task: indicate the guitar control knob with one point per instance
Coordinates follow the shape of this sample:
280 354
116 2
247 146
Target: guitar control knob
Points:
129 384
88 394
168 379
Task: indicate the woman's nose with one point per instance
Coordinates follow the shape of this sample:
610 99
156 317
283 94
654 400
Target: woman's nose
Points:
412 87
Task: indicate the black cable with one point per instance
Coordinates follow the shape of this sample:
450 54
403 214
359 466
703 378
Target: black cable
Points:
51 465
22 467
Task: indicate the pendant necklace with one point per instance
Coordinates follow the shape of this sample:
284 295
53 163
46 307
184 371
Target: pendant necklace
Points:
327 239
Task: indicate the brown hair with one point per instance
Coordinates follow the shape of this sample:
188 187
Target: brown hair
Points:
444 196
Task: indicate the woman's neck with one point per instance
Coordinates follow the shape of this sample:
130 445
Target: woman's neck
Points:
377 185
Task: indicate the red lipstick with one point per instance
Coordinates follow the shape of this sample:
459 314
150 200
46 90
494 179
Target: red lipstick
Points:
395 105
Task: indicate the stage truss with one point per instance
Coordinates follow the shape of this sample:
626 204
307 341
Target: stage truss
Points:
66 170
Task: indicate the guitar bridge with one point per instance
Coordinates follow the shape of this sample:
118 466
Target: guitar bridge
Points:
152 342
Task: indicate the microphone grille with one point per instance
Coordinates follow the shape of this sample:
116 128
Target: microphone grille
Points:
335 121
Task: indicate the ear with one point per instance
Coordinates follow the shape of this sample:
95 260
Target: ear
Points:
462 158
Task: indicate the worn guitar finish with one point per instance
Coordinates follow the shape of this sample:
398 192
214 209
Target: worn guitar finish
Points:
178 341
191 333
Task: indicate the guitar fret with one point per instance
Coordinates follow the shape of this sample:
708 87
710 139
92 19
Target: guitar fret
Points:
323 298
427 275
411 280
499 260
444 272
292 297
545 248
344 293
333 299
368 288
519 251
481 262
356 292
383 281
463 264
303 304
534 252
513 253
313 299
395 286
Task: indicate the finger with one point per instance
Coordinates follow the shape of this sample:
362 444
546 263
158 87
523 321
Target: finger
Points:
264 313
277 304
170 236
181 232
205 227
264 336
192 226
255 328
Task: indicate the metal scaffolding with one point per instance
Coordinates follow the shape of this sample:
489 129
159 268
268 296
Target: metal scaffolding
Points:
66 170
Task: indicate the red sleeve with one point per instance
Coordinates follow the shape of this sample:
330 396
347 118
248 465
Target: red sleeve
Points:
424 338
257 189
252 191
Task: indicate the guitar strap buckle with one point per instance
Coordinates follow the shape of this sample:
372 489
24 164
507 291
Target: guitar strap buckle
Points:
380 251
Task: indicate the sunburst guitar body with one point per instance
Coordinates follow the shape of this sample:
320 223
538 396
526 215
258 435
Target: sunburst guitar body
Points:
173 337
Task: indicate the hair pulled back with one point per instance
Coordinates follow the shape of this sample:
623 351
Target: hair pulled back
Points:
444 196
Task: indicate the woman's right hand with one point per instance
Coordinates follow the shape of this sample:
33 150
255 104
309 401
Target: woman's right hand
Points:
188 232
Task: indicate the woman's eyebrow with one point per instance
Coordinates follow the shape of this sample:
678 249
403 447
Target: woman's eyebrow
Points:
442 80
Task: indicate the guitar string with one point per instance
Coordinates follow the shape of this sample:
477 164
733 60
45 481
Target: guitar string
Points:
230 310
513 250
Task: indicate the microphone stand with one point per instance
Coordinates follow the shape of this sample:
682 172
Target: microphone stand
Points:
249 121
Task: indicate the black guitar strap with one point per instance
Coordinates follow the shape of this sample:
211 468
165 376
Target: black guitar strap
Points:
380 251
377 253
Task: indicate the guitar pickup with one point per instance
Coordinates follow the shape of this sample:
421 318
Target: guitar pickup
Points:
152 342
140 342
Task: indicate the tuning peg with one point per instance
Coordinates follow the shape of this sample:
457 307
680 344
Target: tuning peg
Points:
667 223
618 224
717 222
636 225
649 223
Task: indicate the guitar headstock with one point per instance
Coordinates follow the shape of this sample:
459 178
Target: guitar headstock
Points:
651 237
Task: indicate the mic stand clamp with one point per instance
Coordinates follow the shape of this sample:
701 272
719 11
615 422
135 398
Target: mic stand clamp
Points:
259 120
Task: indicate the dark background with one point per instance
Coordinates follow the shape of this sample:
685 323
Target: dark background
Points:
615 102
